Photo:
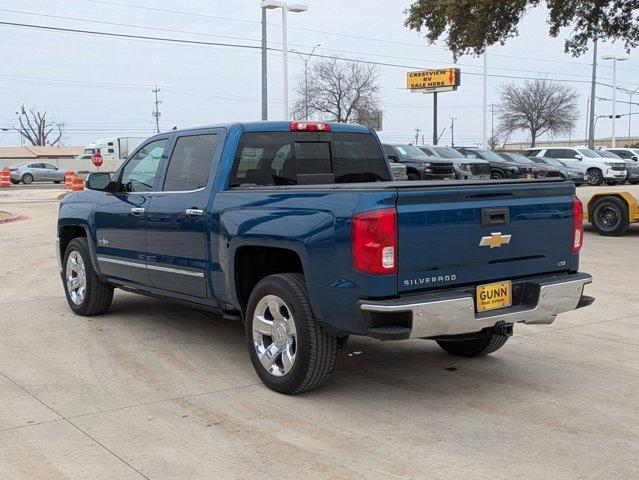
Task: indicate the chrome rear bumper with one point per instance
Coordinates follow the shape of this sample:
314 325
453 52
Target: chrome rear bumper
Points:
453 313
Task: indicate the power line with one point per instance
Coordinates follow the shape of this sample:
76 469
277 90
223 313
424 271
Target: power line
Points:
255 47
85 20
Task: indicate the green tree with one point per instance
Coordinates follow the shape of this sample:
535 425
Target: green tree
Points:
469 26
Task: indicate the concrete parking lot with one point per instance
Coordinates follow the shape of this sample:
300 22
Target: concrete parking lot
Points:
156 390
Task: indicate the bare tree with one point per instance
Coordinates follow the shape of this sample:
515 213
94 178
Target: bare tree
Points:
38 128
338 91
537 107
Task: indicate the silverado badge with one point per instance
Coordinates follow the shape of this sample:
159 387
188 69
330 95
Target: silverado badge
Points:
495 240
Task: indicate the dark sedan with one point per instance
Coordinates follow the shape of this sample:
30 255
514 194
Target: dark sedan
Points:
574 174
529 168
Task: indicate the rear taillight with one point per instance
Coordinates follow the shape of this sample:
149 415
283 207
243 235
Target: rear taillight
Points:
374 241
310 127
577 225
12 169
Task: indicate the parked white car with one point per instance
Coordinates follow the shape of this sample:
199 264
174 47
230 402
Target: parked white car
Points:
599 169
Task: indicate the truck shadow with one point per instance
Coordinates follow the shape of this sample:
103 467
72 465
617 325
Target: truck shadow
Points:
365 366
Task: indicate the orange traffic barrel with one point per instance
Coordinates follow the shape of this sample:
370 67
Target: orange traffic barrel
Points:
5 178
78 184
68 178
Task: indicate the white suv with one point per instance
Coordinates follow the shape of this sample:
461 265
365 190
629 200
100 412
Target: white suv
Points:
599 169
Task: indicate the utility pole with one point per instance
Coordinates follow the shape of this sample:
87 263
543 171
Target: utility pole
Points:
591 128
587 113
264 69
492 120
306 60
452 131
485 102
417 130
157 113
434 118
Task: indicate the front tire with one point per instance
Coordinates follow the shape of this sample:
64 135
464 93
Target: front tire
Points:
86 294
476 347
496 175
595 177
290 351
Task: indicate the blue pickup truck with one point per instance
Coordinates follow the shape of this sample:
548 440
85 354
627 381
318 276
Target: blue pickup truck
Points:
298 230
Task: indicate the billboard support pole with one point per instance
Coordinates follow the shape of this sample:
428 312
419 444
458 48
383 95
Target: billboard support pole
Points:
434 118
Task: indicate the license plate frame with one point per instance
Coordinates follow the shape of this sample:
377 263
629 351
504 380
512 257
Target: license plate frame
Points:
503 299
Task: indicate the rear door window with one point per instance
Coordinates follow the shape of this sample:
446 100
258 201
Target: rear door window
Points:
190 162
559 153
290 158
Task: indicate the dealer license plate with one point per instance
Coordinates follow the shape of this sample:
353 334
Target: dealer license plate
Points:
493 296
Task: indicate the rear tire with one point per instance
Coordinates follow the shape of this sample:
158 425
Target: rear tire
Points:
496 175
299 354
97 295
610 217
57 181
27 178
473 348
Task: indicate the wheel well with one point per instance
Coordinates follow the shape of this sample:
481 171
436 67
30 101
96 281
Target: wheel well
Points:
68 233
593 168
252 263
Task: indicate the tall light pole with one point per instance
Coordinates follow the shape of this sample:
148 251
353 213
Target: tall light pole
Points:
593 83
264 68
306 60
295 8
615 59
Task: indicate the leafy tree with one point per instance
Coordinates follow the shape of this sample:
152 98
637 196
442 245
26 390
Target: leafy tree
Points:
38 128
338 90
469 26
537 107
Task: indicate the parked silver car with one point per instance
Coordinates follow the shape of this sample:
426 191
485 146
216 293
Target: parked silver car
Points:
35 172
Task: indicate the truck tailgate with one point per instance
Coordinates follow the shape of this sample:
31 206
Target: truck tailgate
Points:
440 230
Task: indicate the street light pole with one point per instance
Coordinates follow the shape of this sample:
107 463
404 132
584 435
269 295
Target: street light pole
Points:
614 58
264 68
295 8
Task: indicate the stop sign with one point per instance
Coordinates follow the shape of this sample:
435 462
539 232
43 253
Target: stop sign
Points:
97 160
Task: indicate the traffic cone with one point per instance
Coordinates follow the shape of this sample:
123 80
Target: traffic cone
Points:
68 178
5 178
78 184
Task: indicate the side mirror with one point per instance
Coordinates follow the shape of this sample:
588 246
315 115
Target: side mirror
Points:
392 157
578 157
634 157
98 181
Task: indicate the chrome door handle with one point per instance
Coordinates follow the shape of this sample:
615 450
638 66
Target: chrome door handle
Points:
194 212
137 210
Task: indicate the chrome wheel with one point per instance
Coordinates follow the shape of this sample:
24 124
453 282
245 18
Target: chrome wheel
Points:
76 278
274 335
595 177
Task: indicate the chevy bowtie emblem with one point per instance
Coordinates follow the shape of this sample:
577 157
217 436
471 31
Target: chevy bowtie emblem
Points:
495 240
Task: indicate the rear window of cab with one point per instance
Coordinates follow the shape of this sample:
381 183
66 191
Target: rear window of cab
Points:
304 158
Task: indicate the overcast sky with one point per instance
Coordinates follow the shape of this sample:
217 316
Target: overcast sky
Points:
101 86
